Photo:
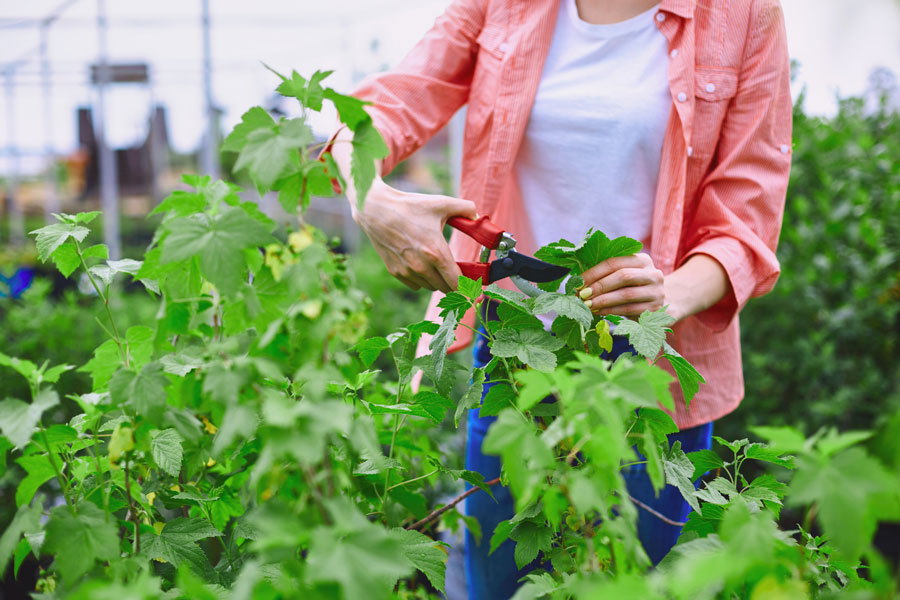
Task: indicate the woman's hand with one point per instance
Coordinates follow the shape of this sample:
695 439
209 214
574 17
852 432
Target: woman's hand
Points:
407 231
626 285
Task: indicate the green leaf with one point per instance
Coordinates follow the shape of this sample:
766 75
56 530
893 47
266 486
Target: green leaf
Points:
218 242
648 333
23 367
847 490
534 347
309 93
19 420
182 203
368 147
514 317
26 520
565 305
121 441
365 561
472 397
501 534
435 405
441 342
765 487
688 377
530 538
253 120
144 391
679 470
77 541
782 439
424 554
51 237
469 288
39 471
495 292
165 445
66 259
350 110
704 461
499 396
104 363
370 349
454 302
177 543
269 153
593 249
763 453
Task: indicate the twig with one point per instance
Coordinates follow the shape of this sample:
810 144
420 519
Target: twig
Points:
438 512
658 515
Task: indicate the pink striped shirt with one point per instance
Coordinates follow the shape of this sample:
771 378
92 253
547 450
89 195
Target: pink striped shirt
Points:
725 160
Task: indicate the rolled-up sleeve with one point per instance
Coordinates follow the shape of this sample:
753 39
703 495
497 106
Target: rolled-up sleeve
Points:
415 100
741 200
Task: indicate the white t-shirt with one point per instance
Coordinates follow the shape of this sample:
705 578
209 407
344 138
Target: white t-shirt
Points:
591 152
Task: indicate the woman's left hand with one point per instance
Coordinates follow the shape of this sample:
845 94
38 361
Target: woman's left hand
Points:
625 285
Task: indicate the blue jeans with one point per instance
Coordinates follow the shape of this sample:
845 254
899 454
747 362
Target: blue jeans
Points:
495 577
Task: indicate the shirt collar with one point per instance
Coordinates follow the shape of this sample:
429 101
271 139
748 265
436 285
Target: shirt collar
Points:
682 8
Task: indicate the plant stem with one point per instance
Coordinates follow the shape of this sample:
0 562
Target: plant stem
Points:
59 476
438 512
408 481
134 515
116 337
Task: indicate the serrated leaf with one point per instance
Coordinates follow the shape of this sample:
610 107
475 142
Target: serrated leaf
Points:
688 377
144 391
182 203
254 119
534 347
679 469
499 396
604 338
27 519
368 147
370 349
495 292
165 445
501 534
39 470
564 305
218 242
177 543
78 540
648 333
469 288
19 420
514 317
454 302
704 461
424 554
530 538
350 110
435 405
66 259
51 237
441 342
472 397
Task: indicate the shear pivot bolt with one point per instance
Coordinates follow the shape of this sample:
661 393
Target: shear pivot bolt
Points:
507 263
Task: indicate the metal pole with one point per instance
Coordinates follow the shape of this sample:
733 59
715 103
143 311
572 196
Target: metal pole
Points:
109 184
52 204
16 216
209 163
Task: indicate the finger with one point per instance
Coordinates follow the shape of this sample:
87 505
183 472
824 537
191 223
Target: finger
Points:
436 280
448 269
628 295
619 279
408 282
629 310
601 270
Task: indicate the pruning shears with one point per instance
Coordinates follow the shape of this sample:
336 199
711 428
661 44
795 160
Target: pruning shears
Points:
522 270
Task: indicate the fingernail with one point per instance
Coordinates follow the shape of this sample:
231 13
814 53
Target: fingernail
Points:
586 293
589 303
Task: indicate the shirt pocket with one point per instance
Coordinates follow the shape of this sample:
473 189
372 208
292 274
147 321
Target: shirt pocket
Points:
714 89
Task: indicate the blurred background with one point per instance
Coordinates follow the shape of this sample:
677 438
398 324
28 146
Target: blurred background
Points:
105 104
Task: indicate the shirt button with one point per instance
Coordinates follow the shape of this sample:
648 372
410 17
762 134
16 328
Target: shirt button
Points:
660 17
674 53
503 47
785 148
682 97
690 150
710 87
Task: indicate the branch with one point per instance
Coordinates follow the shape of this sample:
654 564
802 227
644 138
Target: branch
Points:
438 512
658 515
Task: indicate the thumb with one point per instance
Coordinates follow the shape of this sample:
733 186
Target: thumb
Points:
457 207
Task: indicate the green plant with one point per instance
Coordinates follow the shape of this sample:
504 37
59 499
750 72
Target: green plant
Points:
240 443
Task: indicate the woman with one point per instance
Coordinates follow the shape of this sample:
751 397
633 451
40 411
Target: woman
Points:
669 123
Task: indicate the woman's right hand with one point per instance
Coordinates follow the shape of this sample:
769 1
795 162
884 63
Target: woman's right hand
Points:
407 230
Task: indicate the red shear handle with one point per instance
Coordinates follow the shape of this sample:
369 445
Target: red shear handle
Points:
482 230
476 271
